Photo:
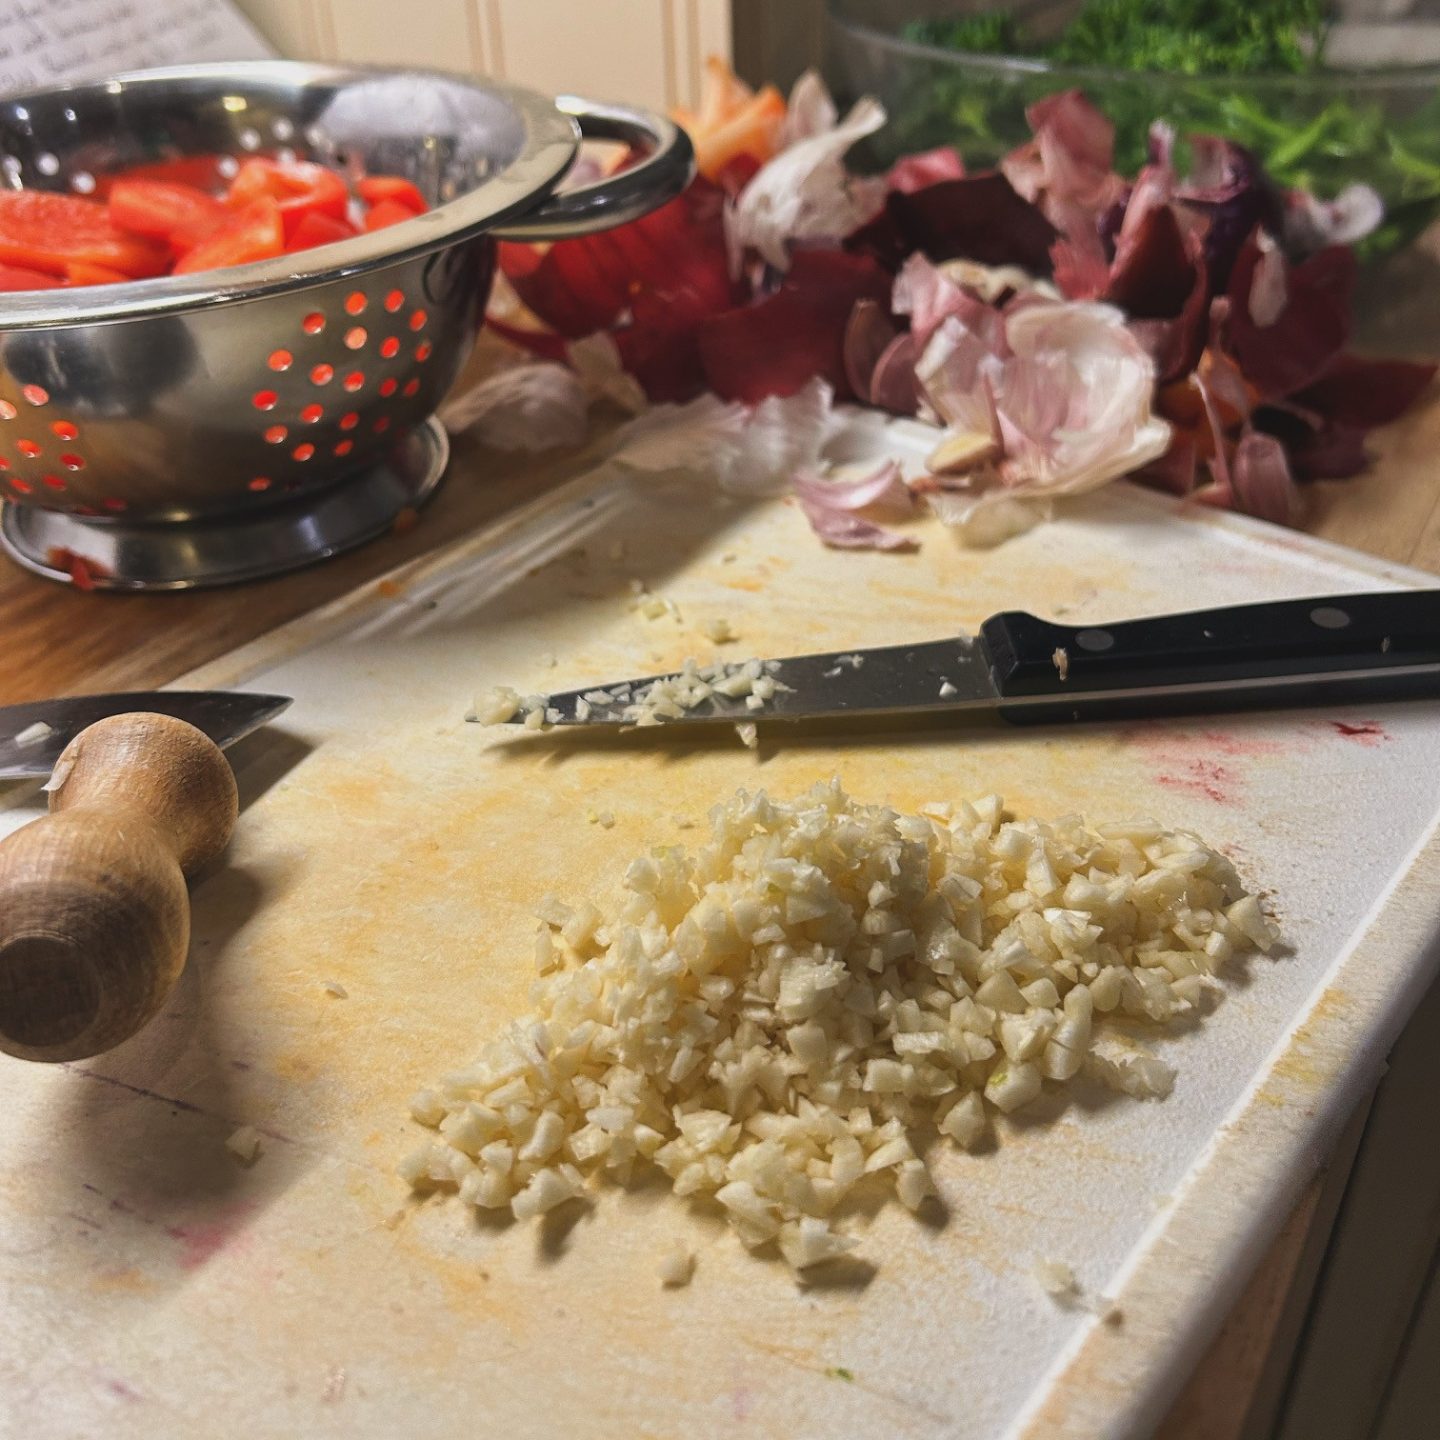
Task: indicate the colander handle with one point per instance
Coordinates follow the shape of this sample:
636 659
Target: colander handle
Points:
634 192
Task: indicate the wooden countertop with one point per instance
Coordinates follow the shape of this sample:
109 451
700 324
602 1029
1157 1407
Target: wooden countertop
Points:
60 641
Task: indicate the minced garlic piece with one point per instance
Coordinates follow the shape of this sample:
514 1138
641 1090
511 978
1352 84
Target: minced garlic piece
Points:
677 1266
495 706
1057 1279
244 1144
650 605
780 1015
335 989
749 735
719 630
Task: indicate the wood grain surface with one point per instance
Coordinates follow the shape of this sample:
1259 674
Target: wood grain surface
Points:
60 641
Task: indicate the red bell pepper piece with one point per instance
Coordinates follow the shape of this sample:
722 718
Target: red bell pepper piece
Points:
375 189
299 187
159 209
41 230
387 212
255 233
200 172
81 272
316 229
16 277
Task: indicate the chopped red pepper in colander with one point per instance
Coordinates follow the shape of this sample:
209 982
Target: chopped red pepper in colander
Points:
160 209
299 187
255 233
374 189
49 232
152 220
316 229
18 277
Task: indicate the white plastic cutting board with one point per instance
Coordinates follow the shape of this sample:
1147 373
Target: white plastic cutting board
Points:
151 1286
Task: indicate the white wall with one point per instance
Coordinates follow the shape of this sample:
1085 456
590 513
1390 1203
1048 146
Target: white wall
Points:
649 52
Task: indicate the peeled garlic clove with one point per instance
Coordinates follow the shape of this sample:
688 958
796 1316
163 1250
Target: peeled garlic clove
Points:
961 451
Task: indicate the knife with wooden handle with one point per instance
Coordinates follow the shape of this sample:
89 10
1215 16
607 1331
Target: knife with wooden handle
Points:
94 911
1026 670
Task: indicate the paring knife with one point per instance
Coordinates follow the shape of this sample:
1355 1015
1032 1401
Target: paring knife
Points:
27 749
94 914
1286 652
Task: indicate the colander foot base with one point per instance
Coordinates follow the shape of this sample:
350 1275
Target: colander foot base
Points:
121 556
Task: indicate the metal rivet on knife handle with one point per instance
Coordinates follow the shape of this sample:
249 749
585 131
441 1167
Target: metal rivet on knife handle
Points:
94 913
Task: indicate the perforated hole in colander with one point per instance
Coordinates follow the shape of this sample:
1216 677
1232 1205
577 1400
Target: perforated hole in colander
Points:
295 429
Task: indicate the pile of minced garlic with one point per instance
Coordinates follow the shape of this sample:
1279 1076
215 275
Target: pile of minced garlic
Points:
773 1018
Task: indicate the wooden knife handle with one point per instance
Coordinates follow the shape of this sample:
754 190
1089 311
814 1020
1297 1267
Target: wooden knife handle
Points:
94 914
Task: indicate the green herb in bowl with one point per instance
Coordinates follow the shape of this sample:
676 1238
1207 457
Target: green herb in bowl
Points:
1255 74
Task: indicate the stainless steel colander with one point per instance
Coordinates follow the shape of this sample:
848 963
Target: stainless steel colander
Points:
199 429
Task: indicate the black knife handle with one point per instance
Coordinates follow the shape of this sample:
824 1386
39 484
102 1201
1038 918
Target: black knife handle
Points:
1328 637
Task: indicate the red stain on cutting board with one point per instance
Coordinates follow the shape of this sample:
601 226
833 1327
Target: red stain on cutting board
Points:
1201 777
1206 763
201 1240
1369 733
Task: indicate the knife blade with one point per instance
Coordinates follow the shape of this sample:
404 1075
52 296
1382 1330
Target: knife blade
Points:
1373 646
28 750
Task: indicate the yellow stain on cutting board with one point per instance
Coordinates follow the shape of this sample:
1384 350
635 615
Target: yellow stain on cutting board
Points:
1307 1068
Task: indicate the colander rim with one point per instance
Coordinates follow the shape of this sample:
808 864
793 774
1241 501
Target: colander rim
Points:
550 145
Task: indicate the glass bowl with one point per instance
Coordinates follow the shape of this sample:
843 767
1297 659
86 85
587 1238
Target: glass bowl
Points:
1376 124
